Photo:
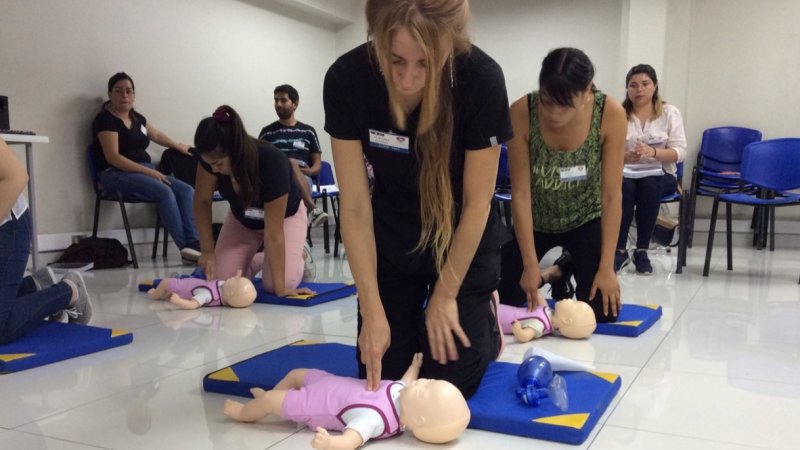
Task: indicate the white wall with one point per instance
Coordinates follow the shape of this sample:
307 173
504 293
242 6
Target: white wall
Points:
743 62
186 58
720 61
518 34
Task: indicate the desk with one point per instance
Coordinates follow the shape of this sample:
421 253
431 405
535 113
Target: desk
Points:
28 141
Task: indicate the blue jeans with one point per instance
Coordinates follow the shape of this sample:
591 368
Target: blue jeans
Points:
21 306
642 197
174 201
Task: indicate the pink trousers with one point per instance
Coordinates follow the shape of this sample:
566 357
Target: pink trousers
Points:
237 246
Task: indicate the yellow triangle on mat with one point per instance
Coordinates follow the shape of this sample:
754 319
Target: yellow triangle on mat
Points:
629 323
303 342
226 374
651 306
117 333
610 377
301 296
576 421
14 356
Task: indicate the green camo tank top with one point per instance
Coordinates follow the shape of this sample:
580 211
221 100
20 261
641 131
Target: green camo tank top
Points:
560 202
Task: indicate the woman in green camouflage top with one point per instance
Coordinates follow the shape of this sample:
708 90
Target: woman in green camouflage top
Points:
566 162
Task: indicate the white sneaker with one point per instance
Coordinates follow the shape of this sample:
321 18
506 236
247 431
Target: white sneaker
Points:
317 217
309 268
190 254
81 311
44 278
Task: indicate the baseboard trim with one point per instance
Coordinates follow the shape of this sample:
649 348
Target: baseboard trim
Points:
59 242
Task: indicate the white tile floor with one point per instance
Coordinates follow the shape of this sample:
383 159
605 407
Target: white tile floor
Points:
720 370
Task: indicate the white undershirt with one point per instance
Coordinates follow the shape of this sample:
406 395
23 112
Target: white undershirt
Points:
20 206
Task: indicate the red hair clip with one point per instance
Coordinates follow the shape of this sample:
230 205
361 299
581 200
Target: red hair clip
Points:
221 115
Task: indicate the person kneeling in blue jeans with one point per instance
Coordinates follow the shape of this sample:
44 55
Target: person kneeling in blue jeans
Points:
26 302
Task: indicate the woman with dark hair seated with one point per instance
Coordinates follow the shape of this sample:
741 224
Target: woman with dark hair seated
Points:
120 139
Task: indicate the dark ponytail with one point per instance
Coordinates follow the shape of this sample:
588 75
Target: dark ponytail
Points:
223 134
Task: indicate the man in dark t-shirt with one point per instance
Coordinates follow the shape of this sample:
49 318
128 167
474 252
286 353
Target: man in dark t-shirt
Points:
299 142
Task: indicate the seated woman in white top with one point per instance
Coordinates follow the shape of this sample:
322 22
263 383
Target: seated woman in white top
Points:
655 135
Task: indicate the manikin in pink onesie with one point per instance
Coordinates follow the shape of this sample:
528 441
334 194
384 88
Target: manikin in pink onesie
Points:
571 318
192 293
435 411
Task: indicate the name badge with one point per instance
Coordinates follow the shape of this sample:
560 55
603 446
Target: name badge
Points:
254 213
144 130
299 144
655 143
389 141
574 173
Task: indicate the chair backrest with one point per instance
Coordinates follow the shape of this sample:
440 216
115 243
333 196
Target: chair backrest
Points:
773 164
679 171
503 170
325 176
179 165
721 148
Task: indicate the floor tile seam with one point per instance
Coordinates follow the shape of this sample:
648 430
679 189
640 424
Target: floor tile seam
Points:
661 433
725 377
298 430
613 408
232 355
97 400
85 444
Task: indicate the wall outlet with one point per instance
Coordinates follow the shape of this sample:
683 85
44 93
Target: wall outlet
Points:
77 238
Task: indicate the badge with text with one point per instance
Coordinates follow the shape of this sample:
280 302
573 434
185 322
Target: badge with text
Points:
573 173
389 141
254 213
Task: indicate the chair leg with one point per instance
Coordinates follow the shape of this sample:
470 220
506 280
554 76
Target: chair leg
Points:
325 229
96 215
166 241
712 227
681 260
128 233
729 234
691 213
155 238
336 233
772 229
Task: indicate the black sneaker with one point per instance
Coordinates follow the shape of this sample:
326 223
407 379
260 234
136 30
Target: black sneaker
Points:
563 288
642 262
621 259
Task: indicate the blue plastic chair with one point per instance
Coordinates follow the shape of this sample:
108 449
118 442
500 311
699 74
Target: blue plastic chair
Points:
184 168
325 178
773 167
502 191
117 197
718 167
679 196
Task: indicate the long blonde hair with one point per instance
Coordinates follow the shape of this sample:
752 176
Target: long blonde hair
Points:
434 24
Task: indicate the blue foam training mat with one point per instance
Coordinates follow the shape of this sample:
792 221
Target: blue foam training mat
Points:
267 369
52 342
325 292
494 407
632 321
